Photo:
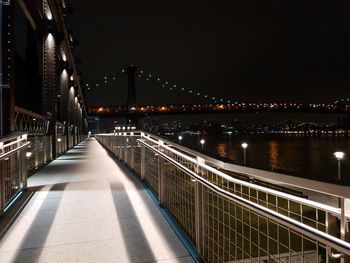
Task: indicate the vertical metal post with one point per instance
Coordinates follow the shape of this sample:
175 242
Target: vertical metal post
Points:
1 185
199 209
198 215
342 218
116 145
23 172
132 161
66 128
125 148
244 157
346 226
332 229
120 147
143 155
160 177
50 147
36 151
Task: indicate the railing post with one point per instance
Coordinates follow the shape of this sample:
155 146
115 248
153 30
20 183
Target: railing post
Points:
2 172
2 179
143 153
132 159
344 225
125 147
332 229
199 210
36 151
23 168
50 147
115 143
160 175
119 147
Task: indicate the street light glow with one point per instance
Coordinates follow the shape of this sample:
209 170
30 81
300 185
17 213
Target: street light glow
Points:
339 155
180 138
244 145
202 141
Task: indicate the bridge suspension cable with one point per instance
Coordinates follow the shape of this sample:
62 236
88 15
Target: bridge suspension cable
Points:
146 76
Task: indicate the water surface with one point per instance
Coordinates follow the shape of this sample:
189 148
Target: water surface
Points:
305 156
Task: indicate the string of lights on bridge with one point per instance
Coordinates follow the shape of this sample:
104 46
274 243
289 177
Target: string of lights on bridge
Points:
165 84
172 86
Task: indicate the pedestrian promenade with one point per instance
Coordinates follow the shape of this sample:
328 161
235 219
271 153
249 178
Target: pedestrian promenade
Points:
89 208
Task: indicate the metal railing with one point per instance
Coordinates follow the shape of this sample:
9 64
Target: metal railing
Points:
13 169
30 122
40 151
230 219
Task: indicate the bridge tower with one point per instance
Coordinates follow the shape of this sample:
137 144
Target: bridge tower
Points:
131 99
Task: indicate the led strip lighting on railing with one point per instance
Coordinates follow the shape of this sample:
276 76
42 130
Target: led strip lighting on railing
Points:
15 142
19 138
329 240
311 203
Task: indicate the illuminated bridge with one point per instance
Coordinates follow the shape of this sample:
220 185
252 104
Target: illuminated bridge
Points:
131 196
206 104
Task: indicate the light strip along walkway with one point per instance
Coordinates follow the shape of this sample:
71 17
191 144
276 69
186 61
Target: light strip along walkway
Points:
89 208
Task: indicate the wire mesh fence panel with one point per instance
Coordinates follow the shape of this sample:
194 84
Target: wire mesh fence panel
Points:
151 170
137 155
179 197
13 168
233 233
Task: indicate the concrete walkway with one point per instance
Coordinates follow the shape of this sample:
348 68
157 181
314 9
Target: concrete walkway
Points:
88 208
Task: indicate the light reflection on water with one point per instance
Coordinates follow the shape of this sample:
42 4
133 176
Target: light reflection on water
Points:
305 156
274 156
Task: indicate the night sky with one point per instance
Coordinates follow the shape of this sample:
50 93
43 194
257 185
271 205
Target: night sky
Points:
244 50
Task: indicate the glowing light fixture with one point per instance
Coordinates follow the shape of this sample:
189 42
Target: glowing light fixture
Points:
244 146
339 155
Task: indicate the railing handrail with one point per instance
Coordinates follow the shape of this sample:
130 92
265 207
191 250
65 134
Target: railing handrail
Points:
19 139
3 156
311 203
327 239
11 136
273 177
30 113
333 210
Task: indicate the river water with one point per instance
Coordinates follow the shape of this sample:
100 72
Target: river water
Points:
305 156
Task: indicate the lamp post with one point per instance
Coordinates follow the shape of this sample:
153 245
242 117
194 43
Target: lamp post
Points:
339 156
202 141
343 222
244 146
180 138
